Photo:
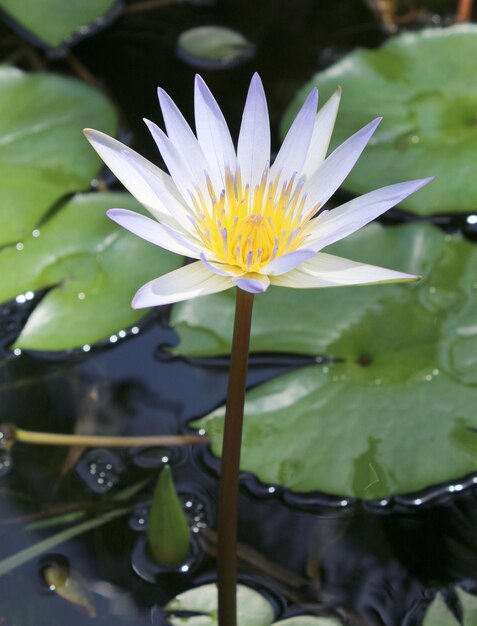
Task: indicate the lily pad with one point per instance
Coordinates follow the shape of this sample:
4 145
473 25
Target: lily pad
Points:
439 614
469 607
214 47
308 620
56 22
424 86
397 412
253 609
94 268
43 154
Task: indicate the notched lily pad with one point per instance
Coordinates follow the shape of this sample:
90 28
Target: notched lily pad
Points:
397 413
54 24
253 609
95 269
424 86
43 154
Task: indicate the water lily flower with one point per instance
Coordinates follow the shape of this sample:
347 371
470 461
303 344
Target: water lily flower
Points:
249 223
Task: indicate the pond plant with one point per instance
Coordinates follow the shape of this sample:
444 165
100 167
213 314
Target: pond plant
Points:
250 223
334 437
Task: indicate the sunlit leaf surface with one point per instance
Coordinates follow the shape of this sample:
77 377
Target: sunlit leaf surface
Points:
94 266
397 412
424 86
54 22
252 608
43 154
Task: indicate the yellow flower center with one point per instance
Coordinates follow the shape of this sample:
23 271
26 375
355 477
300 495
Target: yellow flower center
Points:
250 230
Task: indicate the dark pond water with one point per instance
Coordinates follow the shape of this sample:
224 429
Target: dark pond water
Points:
373 564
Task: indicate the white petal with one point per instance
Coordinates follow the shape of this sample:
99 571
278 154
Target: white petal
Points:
212 132
186 176
184 140
152 231
253 150
222 269
325 270
338 223
329 176
292 154
287 262
321 136
179 215
114 153
190 281
253 283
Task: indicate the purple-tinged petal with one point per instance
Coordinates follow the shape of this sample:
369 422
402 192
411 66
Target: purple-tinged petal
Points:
222 269
130 168
184 140
253 283
321 136
347 218
287 262
212 132
190 281
329 176
292 154
326 270
152 231
184 174
253 150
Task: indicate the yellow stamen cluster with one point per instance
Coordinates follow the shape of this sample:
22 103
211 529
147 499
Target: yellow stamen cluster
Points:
248 230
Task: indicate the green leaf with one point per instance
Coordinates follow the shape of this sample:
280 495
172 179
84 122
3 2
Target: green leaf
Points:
43 154
438 614
427 129
94 266
252 608
168 531
32 552
397 413
55 22
308 620
469 607
214 47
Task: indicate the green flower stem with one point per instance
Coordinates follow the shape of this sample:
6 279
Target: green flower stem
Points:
230 463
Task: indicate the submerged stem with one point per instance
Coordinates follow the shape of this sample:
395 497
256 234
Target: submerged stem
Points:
230 463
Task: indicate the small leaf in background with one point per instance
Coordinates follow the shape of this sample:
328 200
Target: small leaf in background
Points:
253 609
43 154
94 267
54 23
168 530
70 586
439 614
214 48
424 85
397 413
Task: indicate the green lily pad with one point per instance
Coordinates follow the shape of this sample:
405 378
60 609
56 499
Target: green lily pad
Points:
424 86
95 269
43 154
439 614
397 413
469 607
308 620
214 47
252 608
56 22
